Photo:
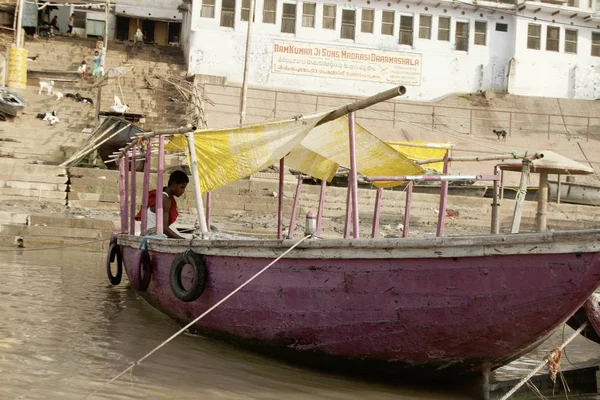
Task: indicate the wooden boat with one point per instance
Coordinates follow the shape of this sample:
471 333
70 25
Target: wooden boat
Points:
575 193
11 105
438 306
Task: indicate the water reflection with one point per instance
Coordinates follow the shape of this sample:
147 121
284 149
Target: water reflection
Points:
64 331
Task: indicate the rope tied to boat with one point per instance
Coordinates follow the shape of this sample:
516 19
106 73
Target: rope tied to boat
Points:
551 356
553 361
179 332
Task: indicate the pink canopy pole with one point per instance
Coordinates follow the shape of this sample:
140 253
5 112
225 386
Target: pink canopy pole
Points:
146 188
123 195
133 189
348 208
160 170
321 206
443 198
208 201
126 214
280 202
495 229
352 140
406 223
290 234
375 231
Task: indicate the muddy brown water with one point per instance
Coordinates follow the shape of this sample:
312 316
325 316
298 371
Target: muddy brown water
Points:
64 331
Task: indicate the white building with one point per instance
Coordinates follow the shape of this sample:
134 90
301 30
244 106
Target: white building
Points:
434 47
160 20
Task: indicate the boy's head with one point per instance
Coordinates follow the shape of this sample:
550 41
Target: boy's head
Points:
96 53
178 181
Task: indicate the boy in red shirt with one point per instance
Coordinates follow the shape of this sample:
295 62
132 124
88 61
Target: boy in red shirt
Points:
178 181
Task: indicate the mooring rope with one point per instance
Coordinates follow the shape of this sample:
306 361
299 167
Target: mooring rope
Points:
197 319
544 362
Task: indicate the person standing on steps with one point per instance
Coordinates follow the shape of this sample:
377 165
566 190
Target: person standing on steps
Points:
96 65
54 23
70 24
82 70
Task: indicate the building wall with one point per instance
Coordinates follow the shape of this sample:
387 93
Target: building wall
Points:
217 50
154 9
556 74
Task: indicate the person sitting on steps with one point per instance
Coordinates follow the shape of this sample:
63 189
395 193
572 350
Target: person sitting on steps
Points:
178 181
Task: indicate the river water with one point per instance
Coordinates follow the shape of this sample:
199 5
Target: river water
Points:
64 331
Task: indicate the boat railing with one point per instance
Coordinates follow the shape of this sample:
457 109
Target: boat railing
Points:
127 182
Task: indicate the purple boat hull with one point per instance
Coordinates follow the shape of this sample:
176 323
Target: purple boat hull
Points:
443 312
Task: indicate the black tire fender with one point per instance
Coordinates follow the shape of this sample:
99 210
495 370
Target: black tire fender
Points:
114 251
199 284
141 271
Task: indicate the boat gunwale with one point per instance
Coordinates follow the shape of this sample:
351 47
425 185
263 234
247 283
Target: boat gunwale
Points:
585 241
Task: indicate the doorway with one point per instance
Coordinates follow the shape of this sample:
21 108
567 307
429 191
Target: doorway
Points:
174 32
148 30
123 29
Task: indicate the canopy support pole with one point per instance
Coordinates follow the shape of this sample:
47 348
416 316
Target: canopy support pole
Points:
443 198
354 193
196 178
292 227
280 201
348 208
321 206
160 170
144 223
123 195
541 216
375 229
133 191
520 197
208 207
495 229
409 192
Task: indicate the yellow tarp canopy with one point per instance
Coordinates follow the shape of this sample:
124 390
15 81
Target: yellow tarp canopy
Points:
420 150
228 155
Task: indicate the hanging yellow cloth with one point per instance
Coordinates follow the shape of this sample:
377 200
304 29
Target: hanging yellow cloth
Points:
419 150
326 147
228 155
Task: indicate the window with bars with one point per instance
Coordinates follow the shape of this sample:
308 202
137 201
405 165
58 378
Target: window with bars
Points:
596 44
208 9
387 23
571 41
406 30
228 13
245 10
288 18
269 11
444 29
501 27
481 33
425 27
552 38
533 36
329 16
79 18
348 24
368 20
309 10
462 36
